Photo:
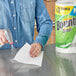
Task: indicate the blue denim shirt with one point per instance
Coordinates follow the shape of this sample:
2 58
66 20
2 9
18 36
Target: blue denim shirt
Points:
19 17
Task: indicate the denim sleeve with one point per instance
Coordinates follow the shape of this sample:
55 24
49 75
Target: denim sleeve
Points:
44 23
3 16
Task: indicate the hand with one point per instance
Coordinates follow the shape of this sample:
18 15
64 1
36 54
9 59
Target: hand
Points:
3 39
35 49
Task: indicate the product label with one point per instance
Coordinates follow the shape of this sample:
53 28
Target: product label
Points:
65 25
63 10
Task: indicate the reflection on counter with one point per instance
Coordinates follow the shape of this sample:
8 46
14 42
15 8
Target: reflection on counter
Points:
54 64
64 64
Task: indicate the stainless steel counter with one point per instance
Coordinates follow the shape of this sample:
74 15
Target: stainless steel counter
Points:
54 64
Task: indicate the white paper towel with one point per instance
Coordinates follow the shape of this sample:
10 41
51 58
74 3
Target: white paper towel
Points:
23 56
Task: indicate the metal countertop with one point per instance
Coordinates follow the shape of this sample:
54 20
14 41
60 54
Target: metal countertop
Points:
54 64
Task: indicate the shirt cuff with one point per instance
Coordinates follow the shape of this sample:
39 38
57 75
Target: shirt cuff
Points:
41 40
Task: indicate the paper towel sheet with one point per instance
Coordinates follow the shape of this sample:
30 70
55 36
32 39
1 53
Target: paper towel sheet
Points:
23 56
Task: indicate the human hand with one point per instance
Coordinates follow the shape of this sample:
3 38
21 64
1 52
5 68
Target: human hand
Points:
35 49
3 39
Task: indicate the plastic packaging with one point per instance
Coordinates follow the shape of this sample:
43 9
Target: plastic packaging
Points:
65 26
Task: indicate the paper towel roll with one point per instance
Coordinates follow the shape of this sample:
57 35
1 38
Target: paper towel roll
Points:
65 26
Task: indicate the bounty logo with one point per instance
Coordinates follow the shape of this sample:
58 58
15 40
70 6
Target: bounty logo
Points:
66 25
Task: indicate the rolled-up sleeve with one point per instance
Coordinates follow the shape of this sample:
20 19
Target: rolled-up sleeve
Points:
44 23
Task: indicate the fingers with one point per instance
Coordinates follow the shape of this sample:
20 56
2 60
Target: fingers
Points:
3 39
1 42
37 53
35 50
32 49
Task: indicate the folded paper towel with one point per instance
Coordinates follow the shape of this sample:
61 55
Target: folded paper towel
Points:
23 56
